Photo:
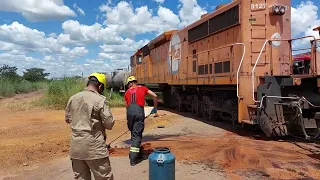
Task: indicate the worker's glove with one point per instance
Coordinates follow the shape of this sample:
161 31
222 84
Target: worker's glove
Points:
154 111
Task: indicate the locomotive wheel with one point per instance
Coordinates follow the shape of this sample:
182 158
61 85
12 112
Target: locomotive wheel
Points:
215 115
201 109
195 105
178 102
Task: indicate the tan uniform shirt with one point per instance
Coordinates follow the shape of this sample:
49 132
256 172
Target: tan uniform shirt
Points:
89 116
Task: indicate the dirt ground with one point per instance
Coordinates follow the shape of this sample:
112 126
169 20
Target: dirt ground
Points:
33 136
36 135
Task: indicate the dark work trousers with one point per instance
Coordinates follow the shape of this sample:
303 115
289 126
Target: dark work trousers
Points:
135 122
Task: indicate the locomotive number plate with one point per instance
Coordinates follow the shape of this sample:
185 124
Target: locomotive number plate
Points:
257 6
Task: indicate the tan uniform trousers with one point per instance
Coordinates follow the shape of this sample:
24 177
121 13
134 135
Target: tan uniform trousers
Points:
100 168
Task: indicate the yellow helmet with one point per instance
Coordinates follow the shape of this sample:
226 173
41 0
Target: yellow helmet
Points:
131 78
101 78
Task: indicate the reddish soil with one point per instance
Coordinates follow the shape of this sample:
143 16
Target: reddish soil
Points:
238 155
32 136
39 135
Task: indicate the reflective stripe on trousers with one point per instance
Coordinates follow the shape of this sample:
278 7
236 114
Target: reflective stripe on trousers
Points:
134 149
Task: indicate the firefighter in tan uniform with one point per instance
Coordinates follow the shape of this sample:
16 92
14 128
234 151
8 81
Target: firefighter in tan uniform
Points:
89 117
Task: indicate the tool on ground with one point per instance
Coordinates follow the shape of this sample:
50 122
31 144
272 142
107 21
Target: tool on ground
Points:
108 146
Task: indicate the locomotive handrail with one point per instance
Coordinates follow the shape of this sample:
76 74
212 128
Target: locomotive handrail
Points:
254 67
284 97
298 106
244 52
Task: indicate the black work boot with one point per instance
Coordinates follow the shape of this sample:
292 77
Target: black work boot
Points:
140 154
133 160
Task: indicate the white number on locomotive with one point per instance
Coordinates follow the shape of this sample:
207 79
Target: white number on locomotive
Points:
258 6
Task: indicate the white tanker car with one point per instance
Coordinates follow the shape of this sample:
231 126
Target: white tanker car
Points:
117 80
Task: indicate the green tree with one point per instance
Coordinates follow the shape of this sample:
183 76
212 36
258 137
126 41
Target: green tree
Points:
35 74
7 71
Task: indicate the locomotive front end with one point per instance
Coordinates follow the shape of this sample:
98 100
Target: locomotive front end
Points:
287 95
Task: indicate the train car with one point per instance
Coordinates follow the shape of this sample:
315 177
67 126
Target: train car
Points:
235 64
117 80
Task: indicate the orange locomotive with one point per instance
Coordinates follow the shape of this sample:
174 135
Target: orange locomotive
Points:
236 64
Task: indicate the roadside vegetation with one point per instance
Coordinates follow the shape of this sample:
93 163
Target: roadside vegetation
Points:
56 92
11 83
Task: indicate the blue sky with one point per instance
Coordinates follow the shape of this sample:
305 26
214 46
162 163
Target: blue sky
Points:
68 37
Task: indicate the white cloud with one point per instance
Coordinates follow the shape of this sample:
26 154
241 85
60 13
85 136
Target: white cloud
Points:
76 32
53 35
160 1
35 10
115 50
128 46
79 51
21 38
114 56
304 19
79 9
190 11
129 22
28 39
48 58
4 46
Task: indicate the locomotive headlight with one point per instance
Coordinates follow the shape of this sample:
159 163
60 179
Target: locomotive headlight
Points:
282 9
276 9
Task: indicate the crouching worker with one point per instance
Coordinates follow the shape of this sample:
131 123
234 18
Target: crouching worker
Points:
135 98
89 117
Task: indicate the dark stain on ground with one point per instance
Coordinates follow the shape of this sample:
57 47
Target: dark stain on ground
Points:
308 178
274 155
292 170
253 173
276 165
145 149
315 156
155 138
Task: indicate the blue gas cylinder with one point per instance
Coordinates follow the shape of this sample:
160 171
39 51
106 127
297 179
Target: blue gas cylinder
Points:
161 164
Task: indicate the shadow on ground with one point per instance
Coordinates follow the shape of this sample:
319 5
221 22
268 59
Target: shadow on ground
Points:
158 138
248 131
